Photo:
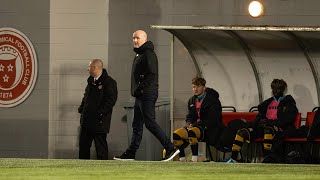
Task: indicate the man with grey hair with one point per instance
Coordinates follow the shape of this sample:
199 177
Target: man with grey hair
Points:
96 109
144 87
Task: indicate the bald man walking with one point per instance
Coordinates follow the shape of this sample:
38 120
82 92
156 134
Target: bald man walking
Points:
144 87
96 109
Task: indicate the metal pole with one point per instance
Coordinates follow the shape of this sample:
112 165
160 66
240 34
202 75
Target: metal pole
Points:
171 85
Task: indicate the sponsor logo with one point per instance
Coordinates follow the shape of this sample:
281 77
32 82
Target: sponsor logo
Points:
18 67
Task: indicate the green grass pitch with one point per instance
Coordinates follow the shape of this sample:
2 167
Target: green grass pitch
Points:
92 169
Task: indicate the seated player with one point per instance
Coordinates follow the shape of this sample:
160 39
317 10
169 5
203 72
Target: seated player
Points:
314 129
203 121
274 122
307 153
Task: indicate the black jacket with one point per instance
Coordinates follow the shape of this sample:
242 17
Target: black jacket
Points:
314 129
144 74
210 115
316 119
97 103
286 113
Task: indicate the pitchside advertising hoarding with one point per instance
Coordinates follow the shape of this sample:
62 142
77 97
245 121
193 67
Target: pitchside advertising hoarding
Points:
18 67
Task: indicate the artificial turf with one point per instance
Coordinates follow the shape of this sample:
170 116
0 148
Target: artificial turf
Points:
92 169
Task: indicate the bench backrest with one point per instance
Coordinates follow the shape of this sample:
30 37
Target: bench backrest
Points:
297 122
229 116
309 118
250 116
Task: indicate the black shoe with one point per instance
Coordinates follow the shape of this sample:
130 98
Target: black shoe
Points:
125 157
171 154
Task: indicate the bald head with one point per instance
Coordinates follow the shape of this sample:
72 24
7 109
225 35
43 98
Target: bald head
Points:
95 67
97 62
139 38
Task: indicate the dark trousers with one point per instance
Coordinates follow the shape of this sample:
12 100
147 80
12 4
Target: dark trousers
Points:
100 141
144 113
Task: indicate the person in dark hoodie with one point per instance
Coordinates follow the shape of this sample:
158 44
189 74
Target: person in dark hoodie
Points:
144 87
203 121
96 109
274 122
313 131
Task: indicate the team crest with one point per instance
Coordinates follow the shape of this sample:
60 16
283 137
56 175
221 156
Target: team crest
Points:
18 67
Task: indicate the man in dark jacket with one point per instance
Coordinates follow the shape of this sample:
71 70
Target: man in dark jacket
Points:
274 122
96 108
203 121
144 87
